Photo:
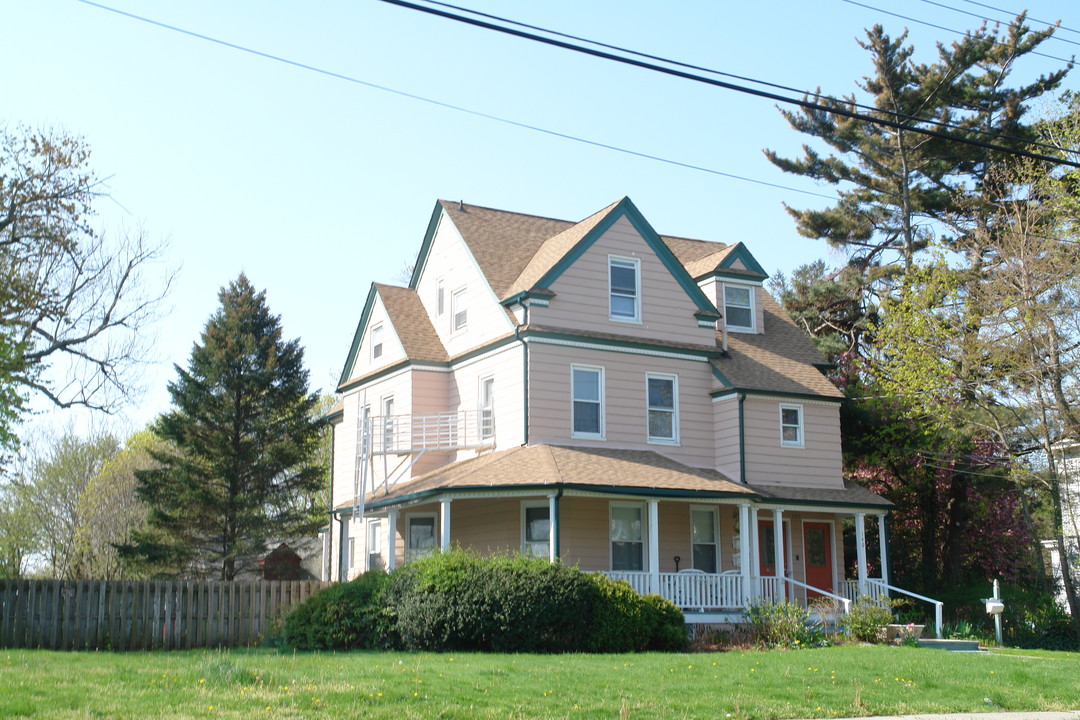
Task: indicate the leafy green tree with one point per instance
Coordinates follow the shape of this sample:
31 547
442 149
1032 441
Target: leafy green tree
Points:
66 294
19 536
242 433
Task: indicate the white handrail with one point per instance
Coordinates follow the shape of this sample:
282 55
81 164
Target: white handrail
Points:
819 591
938 605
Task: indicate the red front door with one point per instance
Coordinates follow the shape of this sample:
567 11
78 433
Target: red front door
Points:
817 549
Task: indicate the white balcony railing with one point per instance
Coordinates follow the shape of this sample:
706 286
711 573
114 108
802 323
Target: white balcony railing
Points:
406 434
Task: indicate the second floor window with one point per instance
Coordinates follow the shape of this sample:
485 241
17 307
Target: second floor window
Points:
587 394
624 281
388 423
376 342
487 408
739 308
440 297
458 311
791 426
663 420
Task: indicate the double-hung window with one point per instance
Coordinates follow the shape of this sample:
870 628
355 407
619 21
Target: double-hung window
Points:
624 289
376 342
739 308
420 535
535 528
459 313
587 401
704 539
627 537
487 408
791 425
388 422
376 560
440 297
663 392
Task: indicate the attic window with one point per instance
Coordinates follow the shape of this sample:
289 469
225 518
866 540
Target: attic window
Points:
458 310
376 342
440 297
739 308
624 280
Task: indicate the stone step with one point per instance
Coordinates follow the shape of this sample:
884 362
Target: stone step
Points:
954 645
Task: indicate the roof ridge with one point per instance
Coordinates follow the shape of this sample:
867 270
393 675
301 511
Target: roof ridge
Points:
466 205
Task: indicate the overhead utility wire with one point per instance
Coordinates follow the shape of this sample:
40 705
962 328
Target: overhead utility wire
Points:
941 27
689 66
1014 14
726 85
977 16
446 105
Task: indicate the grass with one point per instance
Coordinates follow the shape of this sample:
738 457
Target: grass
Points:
826 683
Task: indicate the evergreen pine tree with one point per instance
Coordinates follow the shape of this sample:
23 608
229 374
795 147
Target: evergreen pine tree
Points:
242 432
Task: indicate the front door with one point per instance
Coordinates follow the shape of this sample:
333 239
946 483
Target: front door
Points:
767 548
817 537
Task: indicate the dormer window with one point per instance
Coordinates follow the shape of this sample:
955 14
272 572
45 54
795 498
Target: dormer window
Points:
739 308
624 286
376 342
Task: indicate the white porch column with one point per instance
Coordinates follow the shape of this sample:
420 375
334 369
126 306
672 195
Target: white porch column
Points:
444 524
744 550
778 551
654 547
391 540
860 550
882 534
755 555
553 527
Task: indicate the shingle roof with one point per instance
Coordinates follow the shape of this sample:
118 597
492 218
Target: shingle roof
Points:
782 359
557 465
851 494
412 324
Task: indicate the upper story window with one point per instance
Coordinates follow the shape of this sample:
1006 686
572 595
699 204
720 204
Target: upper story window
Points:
376 342
487 408
624 286
587 393
791 425
663 393
388 422
458 311
739 308
440 297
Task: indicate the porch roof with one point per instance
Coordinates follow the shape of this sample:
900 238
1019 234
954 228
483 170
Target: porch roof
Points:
851 495
557 466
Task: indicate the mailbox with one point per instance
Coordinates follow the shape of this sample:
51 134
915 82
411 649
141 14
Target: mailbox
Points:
994 606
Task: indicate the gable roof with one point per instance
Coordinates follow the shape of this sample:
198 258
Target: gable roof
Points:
410 321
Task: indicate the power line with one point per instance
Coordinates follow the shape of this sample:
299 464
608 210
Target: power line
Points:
1009 12
727 85
986 19
446 105
744 78
942 27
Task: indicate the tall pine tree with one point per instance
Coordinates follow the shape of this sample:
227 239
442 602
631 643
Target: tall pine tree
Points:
242 432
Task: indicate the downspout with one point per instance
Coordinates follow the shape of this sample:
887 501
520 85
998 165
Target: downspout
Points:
556 524
330 525
742 441
525 377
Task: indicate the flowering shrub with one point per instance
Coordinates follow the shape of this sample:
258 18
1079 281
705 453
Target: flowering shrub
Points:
866 618
782 624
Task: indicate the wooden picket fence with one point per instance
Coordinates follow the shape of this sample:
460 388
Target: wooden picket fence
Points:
143 615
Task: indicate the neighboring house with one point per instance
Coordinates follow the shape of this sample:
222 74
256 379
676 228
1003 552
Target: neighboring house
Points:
1067 456
625 402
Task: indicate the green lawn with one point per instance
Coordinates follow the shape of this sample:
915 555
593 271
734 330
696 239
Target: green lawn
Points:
833 682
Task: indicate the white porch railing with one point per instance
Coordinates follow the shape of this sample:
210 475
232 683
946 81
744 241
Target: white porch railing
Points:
876 588
689 590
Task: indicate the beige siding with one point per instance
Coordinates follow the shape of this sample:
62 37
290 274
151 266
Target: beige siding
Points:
487 525
583 538
430 395
449 259
625 402
726 437
505 367
581 301
816 464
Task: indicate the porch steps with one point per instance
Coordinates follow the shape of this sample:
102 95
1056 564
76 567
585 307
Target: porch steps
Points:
953 645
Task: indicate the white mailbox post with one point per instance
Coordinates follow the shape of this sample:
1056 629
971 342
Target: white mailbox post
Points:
995 606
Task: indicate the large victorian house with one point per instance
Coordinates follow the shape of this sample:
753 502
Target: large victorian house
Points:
598 394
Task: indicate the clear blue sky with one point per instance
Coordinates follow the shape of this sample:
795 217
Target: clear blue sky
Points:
315 187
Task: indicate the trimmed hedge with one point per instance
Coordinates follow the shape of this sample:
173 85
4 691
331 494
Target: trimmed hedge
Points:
457 600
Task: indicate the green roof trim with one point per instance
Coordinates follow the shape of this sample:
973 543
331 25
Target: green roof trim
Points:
358 335
722 378
425 247
626 208
631 344
406 363
777 394
739 252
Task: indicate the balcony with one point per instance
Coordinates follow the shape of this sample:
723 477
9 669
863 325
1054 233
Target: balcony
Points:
441 432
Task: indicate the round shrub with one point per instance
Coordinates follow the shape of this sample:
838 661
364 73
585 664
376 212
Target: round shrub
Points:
669 633
866 618
347 616
619 621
